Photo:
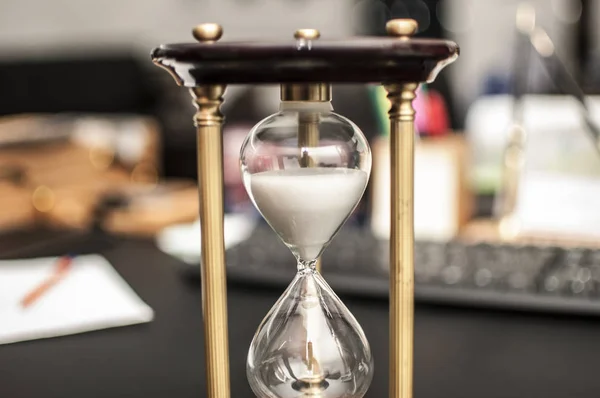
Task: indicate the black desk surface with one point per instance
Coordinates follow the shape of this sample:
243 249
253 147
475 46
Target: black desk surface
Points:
458 353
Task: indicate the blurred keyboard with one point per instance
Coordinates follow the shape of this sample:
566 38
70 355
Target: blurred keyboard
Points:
529 278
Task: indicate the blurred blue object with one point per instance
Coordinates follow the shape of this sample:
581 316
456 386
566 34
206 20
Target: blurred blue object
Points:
496 85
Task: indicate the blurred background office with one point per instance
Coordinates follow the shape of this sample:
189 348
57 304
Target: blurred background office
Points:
98 163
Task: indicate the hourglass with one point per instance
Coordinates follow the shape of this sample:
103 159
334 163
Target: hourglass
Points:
305 169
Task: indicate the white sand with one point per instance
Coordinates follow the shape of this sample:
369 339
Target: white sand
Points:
307 206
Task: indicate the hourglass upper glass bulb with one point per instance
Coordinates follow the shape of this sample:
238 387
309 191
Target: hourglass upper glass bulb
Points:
305 169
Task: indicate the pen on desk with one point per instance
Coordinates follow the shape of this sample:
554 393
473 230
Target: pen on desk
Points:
61 268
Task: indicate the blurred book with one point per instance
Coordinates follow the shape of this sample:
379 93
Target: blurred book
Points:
442 201
58 170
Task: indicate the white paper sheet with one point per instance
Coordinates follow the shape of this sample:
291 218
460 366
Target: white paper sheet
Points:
91 296
183 240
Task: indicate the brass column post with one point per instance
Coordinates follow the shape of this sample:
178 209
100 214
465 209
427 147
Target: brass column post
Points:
308 136
209 122
402 142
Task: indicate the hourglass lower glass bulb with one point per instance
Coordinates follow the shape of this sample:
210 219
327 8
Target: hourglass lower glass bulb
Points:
309 345
305 169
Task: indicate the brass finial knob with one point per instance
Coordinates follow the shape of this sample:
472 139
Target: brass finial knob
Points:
403 28
207 32
307 34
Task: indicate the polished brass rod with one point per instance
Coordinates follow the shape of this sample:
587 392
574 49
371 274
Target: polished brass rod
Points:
402 152
209 121
308 137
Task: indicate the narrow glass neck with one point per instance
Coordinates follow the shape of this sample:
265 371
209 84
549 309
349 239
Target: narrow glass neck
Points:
304 266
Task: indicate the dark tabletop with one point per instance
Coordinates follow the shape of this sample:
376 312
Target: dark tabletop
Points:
458 352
